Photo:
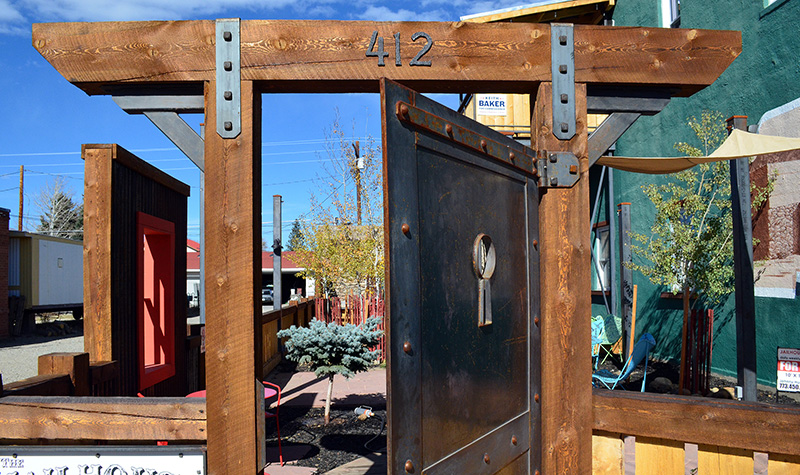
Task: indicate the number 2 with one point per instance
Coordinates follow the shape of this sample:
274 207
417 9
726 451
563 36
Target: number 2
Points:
427 47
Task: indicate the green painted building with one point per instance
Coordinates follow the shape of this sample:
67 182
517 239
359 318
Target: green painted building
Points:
762 84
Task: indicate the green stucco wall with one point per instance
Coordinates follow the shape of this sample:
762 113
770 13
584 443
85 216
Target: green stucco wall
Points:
766 75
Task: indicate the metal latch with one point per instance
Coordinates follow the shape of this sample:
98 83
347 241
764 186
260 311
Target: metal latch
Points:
558 170
562 68
229 79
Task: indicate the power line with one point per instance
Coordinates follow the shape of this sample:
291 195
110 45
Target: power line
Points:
173 149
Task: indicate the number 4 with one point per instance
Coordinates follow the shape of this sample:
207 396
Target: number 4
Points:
380 54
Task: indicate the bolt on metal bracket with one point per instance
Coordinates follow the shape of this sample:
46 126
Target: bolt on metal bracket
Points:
229 78
562 68
558 170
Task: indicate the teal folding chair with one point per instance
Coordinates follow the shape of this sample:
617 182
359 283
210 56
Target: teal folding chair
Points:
612 332
640 351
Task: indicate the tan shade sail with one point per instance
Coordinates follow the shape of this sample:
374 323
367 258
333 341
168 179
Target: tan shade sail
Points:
738 144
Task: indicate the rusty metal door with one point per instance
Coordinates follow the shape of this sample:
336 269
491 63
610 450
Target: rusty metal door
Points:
461 227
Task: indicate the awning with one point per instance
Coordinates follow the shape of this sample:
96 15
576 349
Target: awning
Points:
738 144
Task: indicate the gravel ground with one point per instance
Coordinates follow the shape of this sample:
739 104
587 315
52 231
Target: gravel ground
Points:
671 371
327 447
19 356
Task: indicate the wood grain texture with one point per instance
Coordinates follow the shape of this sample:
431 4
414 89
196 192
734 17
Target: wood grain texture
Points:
735 424
659 457
75 365
43 385
233 284
329 56
565 299
715 460
607 455
97 251
119 419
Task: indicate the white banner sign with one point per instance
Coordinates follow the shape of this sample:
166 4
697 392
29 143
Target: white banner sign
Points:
789 370
491 104
54 460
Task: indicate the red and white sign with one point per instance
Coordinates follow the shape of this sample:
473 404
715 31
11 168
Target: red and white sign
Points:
789 370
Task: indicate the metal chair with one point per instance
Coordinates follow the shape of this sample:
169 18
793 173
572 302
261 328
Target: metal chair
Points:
270 415
640 351
598 334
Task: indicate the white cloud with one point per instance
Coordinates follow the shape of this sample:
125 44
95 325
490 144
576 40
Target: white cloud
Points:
386 14
9 13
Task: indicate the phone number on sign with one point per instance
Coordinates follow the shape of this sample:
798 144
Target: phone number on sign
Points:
788 386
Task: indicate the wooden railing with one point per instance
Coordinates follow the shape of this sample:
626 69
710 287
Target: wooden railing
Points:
68 374
74 420
298 313
661 434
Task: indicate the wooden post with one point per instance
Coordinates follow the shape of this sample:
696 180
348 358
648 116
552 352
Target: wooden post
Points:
743 270
76 365
565 299
233 289
97 274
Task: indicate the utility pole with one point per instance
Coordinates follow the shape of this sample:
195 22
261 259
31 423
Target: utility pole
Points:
21 181
359 166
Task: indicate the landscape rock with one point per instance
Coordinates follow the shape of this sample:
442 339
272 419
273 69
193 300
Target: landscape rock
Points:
661 385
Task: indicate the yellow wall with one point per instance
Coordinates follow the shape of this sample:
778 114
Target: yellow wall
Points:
517 121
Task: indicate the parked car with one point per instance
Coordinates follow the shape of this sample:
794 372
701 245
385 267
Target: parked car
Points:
266 295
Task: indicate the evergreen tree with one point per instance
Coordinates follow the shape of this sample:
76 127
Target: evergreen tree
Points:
296 238
332 349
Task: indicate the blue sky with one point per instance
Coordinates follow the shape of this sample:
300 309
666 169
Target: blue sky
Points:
45 119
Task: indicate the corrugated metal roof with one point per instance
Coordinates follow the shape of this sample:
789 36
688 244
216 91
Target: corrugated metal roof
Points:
546 11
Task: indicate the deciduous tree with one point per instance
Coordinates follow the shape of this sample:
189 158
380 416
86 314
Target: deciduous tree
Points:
61 215
342 233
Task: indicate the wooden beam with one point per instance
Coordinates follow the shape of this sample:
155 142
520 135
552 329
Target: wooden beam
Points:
44 385
697 420
330 56
233 288
118 419
565 299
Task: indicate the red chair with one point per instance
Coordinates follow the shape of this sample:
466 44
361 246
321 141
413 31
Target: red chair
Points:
270 415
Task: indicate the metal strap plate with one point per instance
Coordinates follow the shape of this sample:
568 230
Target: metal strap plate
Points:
490 453
558 170
562 64
523 158
229 98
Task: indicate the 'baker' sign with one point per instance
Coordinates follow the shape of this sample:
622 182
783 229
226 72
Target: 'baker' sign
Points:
491 104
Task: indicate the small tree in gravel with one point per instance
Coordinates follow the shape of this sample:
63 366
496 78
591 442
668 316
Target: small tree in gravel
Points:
332 349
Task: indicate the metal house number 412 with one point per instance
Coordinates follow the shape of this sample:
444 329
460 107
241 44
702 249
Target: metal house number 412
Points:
379 53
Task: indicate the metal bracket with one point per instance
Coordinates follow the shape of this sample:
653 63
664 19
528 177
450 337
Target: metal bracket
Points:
607 133
229 79
562 68
558 170
162 110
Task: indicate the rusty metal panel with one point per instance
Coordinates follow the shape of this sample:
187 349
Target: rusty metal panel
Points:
462 284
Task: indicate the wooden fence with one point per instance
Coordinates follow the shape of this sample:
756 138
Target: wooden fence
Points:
298 313
648 434
632 432
355 310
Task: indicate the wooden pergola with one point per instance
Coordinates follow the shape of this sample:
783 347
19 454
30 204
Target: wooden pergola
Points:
614 69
